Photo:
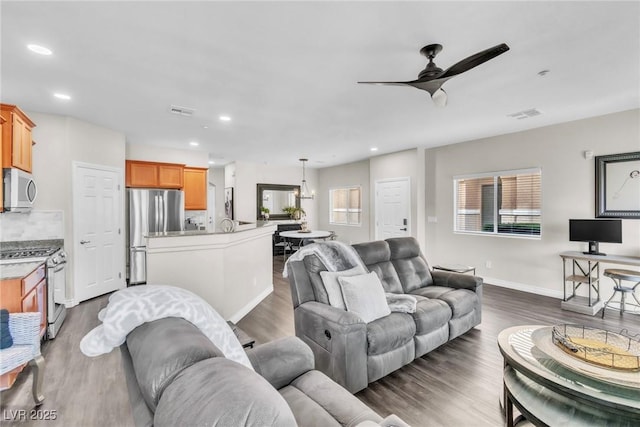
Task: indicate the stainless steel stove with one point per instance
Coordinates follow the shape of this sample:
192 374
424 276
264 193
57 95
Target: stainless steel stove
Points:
26 254
56 260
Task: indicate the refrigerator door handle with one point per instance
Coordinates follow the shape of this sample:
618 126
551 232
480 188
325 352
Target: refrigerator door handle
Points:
157 203
163 224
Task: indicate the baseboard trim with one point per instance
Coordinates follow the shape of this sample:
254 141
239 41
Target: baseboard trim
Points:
235 318
524 287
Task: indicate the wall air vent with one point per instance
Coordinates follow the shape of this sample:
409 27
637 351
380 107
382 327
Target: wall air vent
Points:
182 111
525 114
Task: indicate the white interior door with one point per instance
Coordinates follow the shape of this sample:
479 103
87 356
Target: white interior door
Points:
393 213
98 245
211 206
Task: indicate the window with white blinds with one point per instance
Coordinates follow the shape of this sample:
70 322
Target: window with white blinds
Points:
345 206
504 203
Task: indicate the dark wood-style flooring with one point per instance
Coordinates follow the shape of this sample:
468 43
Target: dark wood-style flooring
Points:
456 385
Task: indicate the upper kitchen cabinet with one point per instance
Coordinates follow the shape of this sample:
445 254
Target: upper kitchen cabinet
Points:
154 175
2 122
195 188
16 138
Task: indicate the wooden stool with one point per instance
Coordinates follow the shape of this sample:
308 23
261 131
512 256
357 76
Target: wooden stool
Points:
618 276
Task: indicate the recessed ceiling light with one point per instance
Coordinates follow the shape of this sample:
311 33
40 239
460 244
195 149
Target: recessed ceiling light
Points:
62 96
39 49
225 118
205 127
374 148
211 162
194 143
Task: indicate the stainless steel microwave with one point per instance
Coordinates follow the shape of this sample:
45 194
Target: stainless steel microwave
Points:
20 190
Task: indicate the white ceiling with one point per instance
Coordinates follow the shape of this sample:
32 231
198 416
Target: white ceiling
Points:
286 72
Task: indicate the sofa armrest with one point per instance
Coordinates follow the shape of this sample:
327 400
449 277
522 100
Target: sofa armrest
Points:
281 361
456 280
338 340
338 317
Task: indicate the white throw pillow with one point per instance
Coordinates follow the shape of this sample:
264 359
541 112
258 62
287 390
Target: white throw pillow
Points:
364 296
331 285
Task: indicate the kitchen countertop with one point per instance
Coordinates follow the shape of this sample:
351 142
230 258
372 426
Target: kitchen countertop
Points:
242 227
51 243
18 270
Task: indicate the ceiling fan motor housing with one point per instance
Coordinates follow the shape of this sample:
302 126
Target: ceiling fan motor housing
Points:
431 70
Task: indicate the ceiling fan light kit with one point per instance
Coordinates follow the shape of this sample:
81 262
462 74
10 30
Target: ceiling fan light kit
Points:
433 77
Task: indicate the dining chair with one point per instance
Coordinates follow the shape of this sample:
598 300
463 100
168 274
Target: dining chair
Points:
24 329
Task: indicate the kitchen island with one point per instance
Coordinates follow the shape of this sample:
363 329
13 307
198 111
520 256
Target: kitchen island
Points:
231 271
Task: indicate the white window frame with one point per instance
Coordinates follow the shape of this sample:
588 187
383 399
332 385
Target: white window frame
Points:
498 212
331 209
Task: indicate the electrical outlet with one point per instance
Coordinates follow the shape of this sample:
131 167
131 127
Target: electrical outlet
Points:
487 264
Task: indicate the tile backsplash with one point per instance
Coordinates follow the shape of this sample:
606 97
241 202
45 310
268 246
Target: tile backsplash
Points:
34 225
196 217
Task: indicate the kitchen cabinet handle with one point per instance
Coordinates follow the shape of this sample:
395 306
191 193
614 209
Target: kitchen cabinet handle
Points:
84 242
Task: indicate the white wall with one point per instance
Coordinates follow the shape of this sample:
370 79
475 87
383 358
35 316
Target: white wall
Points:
244 177
216 177
399 165
352 174
151 153
402 164
568 182
60 141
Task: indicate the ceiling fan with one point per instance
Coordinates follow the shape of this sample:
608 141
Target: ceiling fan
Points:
432 77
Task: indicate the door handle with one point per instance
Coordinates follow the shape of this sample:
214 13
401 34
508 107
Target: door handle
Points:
403 229
84 242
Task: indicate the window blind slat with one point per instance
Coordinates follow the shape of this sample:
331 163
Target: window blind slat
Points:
508 203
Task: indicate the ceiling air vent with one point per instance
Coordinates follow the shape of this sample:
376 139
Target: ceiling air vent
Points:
525 114
182 111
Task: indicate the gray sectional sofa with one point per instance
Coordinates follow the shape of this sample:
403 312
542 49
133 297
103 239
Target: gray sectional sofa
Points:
355 353
177 377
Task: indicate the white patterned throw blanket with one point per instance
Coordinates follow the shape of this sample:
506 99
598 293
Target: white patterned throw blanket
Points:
335 255
131 307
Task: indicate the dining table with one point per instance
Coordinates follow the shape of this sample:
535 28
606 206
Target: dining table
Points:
301 237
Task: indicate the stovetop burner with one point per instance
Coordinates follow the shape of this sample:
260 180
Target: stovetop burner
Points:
26 253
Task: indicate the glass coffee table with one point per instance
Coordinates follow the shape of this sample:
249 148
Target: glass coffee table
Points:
552 388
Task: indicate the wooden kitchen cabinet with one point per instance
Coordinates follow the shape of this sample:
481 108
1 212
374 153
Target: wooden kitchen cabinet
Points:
154 175
26 294
195 188
170 176
16 138
20 295
2 121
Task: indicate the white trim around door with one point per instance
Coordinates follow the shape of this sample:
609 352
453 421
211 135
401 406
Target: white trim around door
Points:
98 230
392 200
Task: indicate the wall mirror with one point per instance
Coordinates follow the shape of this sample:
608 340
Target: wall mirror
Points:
275 197
618 185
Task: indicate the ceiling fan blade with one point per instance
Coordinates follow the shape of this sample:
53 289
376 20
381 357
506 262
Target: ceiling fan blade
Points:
474 60
431 86
387 83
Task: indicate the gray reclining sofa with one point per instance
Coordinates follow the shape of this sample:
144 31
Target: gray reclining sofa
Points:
355 353
177 377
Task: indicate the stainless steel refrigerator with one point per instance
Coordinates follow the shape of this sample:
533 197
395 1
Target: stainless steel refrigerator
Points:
150 211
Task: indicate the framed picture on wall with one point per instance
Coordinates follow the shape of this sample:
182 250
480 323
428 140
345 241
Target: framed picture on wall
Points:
618 185
228 202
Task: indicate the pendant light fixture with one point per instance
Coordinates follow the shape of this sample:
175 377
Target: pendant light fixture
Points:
304 189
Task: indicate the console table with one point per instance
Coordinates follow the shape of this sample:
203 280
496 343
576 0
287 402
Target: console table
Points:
550 391
585 269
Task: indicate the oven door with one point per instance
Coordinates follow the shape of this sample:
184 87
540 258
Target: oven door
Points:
57 285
